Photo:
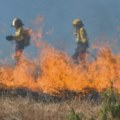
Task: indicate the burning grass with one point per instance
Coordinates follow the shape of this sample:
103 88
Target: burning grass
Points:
54 71
58 84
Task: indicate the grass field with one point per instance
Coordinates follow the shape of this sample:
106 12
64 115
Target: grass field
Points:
24 104
16 107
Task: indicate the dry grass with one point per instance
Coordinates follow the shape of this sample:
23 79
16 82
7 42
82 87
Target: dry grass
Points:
19 108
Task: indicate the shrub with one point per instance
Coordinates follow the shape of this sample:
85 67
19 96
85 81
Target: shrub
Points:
111 105
74 116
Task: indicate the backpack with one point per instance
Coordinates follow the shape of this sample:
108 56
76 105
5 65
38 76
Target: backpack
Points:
26 37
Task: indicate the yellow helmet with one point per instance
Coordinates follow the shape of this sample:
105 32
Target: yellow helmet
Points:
77 22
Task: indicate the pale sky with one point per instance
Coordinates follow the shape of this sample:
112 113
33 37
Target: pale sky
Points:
100 17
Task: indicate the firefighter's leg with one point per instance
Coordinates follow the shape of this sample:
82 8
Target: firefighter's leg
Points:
75 56
18 54
18 51
83 57
83 52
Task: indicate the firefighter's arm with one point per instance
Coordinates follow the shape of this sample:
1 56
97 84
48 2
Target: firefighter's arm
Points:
83 35
9 37
75 33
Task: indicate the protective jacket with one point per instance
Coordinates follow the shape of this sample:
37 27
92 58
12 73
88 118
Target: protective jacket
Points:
22 36
81 35
19 34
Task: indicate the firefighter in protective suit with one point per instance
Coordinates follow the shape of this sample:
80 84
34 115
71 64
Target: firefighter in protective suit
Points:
81 41
20 37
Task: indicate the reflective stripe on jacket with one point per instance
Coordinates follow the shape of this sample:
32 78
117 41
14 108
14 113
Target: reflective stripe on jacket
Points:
19 34
81 35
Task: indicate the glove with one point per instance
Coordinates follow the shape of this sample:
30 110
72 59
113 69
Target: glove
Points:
9 38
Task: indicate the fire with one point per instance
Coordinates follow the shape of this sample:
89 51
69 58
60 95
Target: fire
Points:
54 71
64 74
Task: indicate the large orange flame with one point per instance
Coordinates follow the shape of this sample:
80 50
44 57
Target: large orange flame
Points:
58 72
53 71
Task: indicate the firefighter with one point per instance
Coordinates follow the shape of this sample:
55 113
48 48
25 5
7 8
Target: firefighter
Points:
21 38
81 41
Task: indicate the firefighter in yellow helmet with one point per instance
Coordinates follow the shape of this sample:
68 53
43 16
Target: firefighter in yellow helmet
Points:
81 41
21 38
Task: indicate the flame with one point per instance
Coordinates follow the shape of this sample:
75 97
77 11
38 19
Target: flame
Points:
54 71
37 31
38 20
37 37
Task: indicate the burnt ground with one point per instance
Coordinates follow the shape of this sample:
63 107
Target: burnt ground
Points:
61 96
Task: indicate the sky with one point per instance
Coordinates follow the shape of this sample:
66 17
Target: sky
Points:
100 17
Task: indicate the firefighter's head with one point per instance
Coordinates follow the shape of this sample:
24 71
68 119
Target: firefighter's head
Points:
17 23
77 23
